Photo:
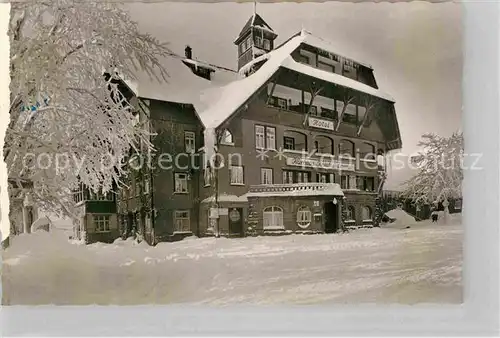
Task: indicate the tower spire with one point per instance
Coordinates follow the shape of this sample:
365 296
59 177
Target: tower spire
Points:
254 7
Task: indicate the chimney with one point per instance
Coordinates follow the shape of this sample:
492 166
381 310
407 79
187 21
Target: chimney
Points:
188 52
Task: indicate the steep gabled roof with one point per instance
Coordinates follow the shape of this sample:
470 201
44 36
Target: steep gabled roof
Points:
254 21
222 103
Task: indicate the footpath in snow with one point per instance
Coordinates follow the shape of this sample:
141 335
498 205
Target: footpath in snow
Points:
419 264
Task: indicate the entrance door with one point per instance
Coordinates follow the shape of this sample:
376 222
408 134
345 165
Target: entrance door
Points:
331 217
236 221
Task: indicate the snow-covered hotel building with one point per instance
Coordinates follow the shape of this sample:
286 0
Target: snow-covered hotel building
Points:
306 124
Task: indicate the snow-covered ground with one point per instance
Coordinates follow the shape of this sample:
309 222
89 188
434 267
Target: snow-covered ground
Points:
420 264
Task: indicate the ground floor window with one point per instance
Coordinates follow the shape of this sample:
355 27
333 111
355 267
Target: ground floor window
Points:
181 221
304 217
351 213
273 218
101 223
366 213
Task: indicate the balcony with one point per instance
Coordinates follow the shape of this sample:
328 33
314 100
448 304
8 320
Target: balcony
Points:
297 189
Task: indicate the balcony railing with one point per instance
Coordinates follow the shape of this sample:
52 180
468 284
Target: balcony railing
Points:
296 189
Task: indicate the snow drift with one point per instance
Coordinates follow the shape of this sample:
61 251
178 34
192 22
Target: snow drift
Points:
401 218
375 265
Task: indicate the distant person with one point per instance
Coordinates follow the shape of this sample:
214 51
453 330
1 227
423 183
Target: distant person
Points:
434 216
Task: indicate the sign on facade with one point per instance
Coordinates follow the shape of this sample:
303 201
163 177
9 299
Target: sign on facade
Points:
321 163
320 123
223 211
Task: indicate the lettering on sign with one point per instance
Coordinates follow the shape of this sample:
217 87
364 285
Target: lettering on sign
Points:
320 123
322 163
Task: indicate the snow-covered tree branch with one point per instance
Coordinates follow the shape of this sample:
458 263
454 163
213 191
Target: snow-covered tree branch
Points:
68 121
439 176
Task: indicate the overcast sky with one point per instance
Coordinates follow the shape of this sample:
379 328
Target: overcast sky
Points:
415 48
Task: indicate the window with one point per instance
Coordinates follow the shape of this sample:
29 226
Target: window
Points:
302 177
189 141
282 103
236 173
258 41
346 148
325 66
101 223
271 137
352 182
325 178
265 137
348 182
351 213
294 140
260 138
266 176
313 110
289 143
267 44
365 183
350 114
304 59
321 178
366 151
227 138
146 187
304 217
291 176
323 145
273 218
181 221
287 177
329 113
366 213
181 185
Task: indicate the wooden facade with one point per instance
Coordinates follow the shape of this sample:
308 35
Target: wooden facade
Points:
264 188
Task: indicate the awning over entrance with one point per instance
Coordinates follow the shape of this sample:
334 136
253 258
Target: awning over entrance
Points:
295 190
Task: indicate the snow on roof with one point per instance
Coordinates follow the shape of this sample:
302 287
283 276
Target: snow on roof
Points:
182 85
230 97
343 81
328 46
198 63
223 102
225 198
